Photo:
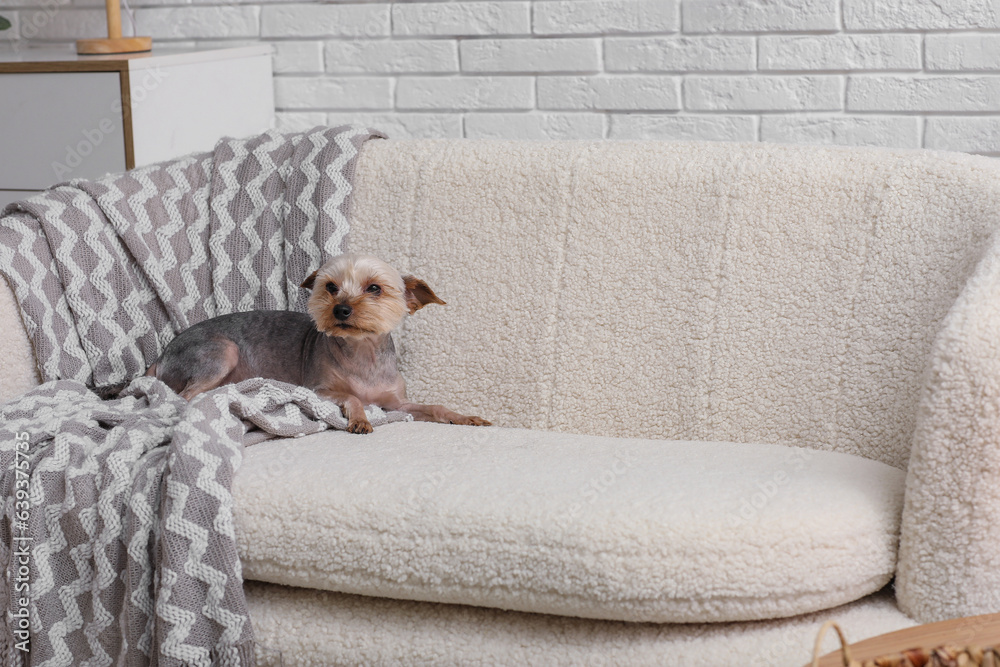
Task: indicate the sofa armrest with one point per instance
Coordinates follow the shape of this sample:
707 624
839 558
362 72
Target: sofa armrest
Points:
949 560
18 370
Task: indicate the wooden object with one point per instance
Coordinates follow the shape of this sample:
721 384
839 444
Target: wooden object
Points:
115 43
67 116
982 631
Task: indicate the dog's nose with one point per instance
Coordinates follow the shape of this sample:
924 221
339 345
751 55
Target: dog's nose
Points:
342 311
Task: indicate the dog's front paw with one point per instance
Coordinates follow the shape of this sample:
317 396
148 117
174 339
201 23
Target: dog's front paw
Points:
359 426
471 421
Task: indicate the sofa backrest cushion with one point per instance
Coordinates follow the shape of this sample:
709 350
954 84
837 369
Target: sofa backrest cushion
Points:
749 293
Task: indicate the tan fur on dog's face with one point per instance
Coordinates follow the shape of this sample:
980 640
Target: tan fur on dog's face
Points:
378 295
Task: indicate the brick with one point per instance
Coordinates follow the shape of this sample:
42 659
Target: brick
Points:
894 131
298 57
972 135
616 93
405 125
62 24
199 22
763 93
298 121
26 4
840 52
461 18
921 14
683 128
929 94
472 92
566 17
531 55
771 16
311 93
535 126
134 3
387 56
325 20
679 54
962 52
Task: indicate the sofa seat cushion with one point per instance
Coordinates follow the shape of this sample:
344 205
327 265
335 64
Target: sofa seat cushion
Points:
588 526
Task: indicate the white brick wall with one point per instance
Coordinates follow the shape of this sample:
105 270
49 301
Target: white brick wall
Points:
901 73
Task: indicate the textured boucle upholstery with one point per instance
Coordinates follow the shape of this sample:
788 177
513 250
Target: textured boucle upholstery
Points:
949 559
18 370
591 526
298 627
748 293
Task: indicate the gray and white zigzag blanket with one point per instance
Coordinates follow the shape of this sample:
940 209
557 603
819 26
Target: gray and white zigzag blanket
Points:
117 518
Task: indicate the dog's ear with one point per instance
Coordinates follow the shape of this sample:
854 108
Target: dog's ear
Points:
418 294
310 281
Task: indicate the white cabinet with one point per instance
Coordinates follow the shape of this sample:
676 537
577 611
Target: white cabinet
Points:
65 116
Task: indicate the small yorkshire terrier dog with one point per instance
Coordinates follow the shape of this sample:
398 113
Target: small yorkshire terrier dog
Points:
342 349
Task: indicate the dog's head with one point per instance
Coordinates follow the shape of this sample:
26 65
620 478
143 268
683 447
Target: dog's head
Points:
358 295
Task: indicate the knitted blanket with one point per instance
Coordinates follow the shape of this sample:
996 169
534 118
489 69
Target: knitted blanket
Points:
107 272
117 518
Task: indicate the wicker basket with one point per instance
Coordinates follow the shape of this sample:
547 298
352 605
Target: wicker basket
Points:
942 656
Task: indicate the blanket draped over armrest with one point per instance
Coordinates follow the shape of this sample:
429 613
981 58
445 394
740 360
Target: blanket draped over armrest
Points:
117 519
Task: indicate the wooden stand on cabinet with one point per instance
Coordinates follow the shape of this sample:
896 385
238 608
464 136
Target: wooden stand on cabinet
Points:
114 43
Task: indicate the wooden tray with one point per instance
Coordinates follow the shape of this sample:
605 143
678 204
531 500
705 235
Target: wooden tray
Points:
969 631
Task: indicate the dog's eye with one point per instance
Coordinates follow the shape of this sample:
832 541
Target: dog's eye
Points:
374 289
331 288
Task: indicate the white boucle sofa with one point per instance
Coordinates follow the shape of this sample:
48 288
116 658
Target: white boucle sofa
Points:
739 390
